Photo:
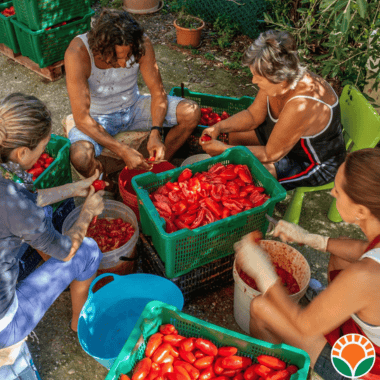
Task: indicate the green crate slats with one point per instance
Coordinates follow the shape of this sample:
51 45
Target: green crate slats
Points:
46 47
248 14
59 171
40 14
218 103
7 30
156 313
187 249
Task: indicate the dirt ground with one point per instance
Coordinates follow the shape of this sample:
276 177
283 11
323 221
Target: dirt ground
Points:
56 350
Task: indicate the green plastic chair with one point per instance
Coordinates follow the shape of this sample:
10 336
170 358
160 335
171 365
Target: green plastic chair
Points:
361 129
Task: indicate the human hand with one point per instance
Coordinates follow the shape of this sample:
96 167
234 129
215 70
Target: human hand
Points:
155 147
82 187
213 147
213 131
254 261
289 232
134 159
94 203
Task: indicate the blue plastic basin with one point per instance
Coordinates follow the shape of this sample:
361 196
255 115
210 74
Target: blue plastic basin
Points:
109 315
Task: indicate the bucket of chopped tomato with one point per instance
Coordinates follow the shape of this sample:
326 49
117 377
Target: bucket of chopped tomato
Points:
116 232
292 268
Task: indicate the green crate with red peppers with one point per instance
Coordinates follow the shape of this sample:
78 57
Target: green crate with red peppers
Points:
167 344
7 31
219 219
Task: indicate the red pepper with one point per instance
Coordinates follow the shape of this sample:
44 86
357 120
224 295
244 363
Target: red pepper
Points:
245 174
232 362
153 343
207 373
204 362
218 369
292 369
187 356
163 206
179 207
279 375
271 362
188 218
228 174
142 369
185 175
206 137
166 368
193 372
188 344
172 186
263 370
173 339
224 115
162 353
199 219
206 346
214 208
182 370
180 225
225 213
124 377
168 329
250 373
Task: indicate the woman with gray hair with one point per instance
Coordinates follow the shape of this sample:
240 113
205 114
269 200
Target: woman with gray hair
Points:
293 126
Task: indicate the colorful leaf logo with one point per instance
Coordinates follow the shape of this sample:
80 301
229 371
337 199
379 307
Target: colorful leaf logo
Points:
353 355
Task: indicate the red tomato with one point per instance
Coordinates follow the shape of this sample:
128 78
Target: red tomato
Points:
99 185
206 346
203 362
142 369
206 138
153 343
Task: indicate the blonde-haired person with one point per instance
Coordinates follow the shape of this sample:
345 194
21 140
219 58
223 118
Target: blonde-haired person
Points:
293 126
25 129
351 301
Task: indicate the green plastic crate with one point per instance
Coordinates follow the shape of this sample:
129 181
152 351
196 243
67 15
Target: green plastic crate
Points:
218 103
156 313
40 14
46 47
184 250
7 30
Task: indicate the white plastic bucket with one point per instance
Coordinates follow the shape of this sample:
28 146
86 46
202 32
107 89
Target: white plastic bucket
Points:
287 258
112 209
196 158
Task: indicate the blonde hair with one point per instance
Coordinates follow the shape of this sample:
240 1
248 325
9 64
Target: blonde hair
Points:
273 55
24 122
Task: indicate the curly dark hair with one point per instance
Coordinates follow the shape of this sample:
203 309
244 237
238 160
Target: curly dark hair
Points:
116 27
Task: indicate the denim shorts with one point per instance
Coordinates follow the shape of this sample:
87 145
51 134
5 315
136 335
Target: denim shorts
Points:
42 287
137 117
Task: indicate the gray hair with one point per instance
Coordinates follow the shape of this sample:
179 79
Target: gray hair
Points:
24 122
274 55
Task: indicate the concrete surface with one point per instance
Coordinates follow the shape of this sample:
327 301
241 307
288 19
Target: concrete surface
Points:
56 350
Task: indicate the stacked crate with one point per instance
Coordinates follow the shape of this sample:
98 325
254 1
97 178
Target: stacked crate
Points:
44 28
7 30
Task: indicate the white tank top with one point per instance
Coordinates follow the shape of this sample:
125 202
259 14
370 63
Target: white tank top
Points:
372 332
111 89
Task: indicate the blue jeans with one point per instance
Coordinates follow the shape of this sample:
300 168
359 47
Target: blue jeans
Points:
41 288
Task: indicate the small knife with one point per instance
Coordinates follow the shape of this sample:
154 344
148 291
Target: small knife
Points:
272 223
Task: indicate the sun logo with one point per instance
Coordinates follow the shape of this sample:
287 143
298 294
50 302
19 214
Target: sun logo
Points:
353 355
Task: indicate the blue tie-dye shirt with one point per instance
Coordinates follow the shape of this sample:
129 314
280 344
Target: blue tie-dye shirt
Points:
22 221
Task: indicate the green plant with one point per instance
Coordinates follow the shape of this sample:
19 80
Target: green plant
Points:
236 55
209 56
336 38
232 65
226 30
117 4
188 21
195 51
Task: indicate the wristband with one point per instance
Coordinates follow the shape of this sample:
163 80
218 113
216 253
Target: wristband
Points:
160 129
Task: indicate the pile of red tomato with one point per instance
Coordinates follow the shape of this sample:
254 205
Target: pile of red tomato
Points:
287 279
205 197
170 356
209 117
42 163
110 234
7 12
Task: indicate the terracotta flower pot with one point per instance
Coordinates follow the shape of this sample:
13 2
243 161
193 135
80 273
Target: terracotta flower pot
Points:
189 37
141 6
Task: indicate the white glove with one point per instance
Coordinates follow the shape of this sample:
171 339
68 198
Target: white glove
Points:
289 232
254 261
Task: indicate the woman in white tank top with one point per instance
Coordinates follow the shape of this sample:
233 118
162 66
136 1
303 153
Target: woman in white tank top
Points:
351 301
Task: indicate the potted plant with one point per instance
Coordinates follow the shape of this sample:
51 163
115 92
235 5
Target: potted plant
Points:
188 30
